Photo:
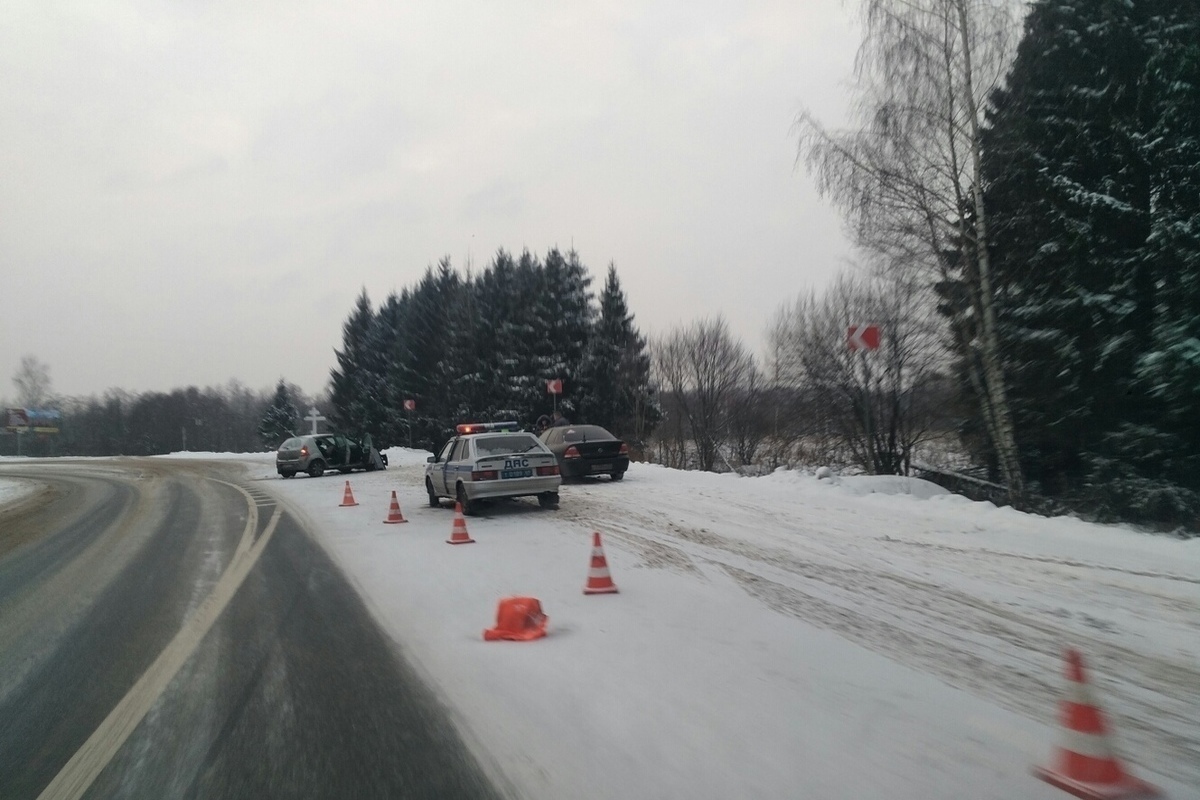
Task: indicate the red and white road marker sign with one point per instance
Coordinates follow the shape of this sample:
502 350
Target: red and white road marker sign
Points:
863 337
554 386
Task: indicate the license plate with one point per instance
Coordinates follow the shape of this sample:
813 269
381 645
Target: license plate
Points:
601 467
516 473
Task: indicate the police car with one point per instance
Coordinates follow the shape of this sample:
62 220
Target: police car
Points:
490 460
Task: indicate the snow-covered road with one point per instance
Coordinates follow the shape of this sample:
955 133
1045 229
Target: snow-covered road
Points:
778 636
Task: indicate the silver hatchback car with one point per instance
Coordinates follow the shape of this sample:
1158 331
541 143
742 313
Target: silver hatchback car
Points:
324 451
488 461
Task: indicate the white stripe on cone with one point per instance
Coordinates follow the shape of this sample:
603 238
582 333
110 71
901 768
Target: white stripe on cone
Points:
1086 744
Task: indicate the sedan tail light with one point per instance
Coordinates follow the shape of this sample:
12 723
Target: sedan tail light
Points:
572 452
485 475
624 449
548 470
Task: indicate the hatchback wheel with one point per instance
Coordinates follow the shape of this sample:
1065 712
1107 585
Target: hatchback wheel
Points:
316 469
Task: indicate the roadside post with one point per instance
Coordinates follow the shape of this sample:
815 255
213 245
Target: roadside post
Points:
554 388
865 338
410 405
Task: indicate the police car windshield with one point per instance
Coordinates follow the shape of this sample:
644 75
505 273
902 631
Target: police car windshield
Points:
504 445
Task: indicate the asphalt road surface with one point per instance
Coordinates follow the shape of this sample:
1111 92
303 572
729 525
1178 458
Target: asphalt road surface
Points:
169 631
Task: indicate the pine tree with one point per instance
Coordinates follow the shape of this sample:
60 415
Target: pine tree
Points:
279 420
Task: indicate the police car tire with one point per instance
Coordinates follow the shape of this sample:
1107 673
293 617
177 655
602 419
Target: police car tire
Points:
548 500
468 508
434 502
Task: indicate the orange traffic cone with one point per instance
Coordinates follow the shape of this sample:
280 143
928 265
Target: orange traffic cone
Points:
599 581
458 534
1086 765
518 619
348 497
394 514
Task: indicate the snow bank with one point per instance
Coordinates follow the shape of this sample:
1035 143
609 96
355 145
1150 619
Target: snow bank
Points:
12 490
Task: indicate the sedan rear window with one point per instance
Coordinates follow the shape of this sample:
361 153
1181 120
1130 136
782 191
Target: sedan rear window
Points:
504 445
586 433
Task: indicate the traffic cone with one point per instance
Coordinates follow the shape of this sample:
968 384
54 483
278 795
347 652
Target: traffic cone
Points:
518 619
348 497
599 581
1086 765
394 514
458 534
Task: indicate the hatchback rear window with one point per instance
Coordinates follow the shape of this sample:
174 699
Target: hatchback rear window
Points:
290 444
504 445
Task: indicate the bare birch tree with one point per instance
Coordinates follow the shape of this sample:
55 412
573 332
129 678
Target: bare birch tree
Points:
32 380
909 178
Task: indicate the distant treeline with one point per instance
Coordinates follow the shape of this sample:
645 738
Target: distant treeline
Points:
214 419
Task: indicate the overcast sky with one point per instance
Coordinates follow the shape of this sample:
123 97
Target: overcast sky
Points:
196 191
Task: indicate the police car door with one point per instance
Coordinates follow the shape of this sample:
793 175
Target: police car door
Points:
453 466
437 475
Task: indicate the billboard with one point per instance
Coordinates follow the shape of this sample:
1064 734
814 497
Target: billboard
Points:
32 420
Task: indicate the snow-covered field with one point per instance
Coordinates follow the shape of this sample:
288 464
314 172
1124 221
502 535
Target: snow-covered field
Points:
776 637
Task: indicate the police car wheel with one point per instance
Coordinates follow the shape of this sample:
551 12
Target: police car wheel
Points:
434 502
548 500
468 508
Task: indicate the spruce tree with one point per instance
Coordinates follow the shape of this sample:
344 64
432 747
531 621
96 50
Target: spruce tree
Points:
1091 171
355 383
426 369
564 316
280 419
615 390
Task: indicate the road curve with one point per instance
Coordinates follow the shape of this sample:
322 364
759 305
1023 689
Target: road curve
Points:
168 631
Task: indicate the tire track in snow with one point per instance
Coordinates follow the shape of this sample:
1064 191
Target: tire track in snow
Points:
1009 658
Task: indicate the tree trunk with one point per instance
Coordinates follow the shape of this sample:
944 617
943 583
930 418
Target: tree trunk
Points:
989 345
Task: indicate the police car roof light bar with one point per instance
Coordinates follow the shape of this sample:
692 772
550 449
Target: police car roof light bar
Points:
483 427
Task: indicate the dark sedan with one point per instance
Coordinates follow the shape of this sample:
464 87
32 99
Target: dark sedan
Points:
587 450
